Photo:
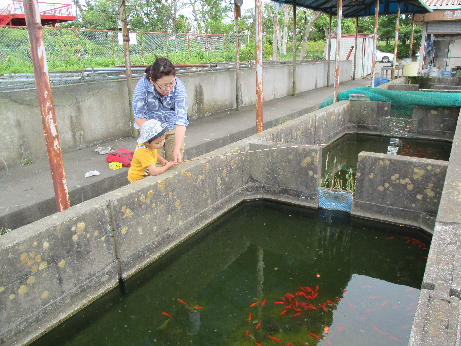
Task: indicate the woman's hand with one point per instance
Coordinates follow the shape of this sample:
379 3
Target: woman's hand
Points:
177 156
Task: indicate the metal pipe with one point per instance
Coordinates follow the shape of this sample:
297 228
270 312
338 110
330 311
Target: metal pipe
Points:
355 46
259 65
396 41
329 48
126 53
237 57
45 101
338 48
375 39
294 49
412 34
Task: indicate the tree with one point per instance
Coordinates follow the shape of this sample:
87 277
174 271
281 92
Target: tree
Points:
308 24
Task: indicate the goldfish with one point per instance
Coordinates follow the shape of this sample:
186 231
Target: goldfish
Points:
350 305
284 311
257 326
254 304
326 329
256 343
295 315
289 344
274 338
246 334
384 303
279 302
198 307
249 318
315 335
323 306
264 302
182 302
373 297
361 318
370 310
341 328
166 314
329 342
383 333
395 339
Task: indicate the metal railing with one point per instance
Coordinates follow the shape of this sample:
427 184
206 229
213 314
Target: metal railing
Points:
46 8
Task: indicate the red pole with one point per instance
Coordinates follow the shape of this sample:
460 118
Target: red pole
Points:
45 101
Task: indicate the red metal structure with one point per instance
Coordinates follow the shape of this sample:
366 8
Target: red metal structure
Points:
50 13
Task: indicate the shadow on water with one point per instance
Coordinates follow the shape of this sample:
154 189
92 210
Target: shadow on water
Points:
266 271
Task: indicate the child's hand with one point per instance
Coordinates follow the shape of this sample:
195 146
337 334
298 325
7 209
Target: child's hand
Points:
168 164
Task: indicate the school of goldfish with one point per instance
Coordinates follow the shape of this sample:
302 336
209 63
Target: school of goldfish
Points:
304 301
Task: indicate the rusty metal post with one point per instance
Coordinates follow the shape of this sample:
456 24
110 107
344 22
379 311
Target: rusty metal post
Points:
375 41
355 48
329 49
142 48
237 57
294 49
412 34
259 65
45 101
126 53
338 48
78 46
113 45
396 41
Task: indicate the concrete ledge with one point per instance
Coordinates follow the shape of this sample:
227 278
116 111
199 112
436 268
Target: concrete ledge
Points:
399 188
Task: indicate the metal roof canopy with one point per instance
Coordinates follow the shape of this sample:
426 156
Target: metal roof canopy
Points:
352 8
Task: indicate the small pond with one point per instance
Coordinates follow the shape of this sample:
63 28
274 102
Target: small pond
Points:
261 273
339 159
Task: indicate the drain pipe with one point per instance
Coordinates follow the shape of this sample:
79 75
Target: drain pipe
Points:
45 101
259 65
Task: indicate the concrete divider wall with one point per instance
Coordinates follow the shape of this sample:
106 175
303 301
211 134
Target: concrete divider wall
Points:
436 122
53 267
437 319
94 112
399 189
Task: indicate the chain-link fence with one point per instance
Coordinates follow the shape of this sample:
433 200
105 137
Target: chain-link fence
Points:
86 48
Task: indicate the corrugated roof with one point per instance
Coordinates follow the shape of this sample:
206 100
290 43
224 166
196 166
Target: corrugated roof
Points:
353 8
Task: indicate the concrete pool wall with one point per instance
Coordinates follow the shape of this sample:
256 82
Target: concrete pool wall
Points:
55 266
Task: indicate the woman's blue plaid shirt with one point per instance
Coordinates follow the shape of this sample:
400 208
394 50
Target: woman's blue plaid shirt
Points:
170 109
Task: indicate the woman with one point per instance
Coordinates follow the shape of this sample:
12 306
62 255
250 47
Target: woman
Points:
162 96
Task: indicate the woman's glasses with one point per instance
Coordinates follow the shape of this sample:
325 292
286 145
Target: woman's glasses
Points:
165 86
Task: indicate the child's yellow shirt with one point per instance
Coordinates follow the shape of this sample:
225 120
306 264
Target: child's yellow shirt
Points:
143 157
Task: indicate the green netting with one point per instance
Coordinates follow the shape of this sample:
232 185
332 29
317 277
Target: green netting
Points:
401 101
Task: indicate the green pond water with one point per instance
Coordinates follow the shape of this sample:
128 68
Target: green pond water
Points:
265 271
339 159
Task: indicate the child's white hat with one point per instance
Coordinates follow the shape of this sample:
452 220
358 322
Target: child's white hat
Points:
151 129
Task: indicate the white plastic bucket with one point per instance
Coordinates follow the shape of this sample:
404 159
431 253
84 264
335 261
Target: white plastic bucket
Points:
410 68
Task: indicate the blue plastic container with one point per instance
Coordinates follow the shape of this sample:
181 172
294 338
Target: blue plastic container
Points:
384 80
378 81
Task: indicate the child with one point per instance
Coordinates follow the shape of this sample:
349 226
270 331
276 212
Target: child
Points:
145 156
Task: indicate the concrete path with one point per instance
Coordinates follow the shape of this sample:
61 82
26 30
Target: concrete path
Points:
27 191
